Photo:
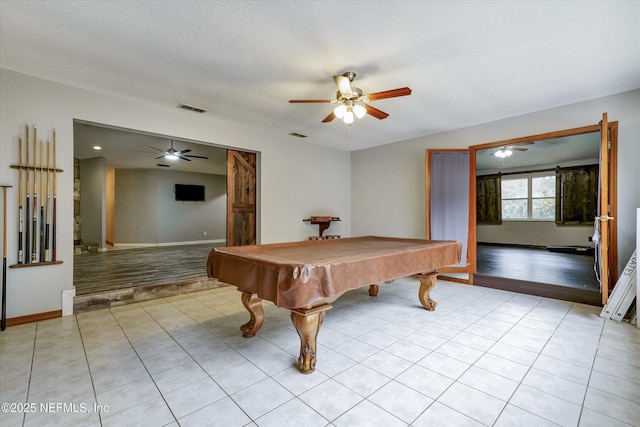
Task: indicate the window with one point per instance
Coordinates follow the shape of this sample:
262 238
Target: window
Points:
529 198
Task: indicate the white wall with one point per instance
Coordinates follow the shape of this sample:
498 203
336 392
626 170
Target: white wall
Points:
388 182
538 233
294 180
146 212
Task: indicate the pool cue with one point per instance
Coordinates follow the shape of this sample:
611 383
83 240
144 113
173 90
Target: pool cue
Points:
42 219
53 222
47 253
20 208
3 322
27 236
34 211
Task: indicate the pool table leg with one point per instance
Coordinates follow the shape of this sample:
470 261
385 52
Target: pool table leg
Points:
373 290
253 304
427 282
307 322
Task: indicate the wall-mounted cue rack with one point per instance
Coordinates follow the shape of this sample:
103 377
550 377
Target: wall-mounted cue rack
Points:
37 201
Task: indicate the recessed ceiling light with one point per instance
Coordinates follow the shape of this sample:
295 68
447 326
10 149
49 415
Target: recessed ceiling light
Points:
97 147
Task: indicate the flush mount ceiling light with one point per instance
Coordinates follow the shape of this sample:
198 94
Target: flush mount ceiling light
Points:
97 147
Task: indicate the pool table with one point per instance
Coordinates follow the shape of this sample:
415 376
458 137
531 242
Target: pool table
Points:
306 277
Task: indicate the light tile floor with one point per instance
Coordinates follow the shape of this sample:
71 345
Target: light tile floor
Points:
484 357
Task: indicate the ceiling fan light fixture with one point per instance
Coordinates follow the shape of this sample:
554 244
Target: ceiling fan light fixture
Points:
171 156
348 116
503 152
359 110
340 110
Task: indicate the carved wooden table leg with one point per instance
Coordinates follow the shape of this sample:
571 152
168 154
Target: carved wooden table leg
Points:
307 322
253 304
427 282
373 290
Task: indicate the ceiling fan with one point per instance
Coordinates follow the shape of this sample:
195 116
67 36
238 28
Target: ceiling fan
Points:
506 151
173 154
352 102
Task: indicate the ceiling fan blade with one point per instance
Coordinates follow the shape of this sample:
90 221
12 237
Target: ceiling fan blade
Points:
185 151
161 157
375 112
155 148
197 157
344 86
519 149
184 158
329 118
393 93
305 101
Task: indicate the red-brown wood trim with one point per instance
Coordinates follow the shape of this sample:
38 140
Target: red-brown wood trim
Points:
21 320
547 135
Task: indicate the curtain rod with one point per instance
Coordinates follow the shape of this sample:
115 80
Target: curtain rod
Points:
557 168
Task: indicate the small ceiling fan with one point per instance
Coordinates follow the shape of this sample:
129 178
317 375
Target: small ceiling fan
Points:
352 102
173 154
506 151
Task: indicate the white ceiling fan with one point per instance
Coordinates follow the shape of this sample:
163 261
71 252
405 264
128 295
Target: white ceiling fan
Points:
507 150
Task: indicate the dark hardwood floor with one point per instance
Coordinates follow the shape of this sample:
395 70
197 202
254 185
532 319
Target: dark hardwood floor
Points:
127 268
538 272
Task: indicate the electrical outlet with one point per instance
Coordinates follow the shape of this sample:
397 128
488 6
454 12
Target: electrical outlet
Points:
205 233
591 238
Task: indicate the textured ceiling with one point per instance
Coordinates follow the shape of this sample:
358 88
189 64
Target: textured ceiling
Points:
467 62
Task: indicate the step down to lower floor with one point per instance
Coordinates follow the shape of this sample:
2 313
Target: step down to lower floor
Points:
108 299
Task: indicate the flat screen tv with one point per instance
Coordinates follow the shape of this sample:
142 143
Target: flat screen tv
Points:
189 193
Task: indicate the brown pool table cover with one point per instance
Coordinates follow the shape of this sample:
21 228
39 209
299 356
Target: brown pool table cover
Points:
308 273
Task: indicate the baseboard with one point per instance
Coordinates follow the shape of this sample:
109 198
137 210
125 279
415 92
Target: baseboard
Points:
511 245
21 320
153 245
546 290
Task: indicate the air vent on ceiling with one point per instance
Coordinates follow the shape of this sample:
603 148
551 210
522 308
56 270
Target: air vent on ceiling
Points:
299 135
164 166
191 108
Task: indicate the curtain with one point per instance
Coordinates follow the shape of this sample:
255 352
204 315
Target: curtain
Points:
450 198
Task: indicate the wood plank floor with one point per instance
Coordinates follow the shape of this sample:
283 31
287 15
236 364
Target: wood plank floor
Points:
126 268
538 272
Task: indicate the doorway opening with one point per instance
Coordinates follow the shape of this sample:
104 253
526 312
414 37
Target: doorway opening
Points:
535 212
148 240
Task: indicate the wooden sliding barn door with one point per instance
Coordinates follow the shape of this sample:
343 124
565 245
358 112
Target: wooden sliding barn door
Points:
241 198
